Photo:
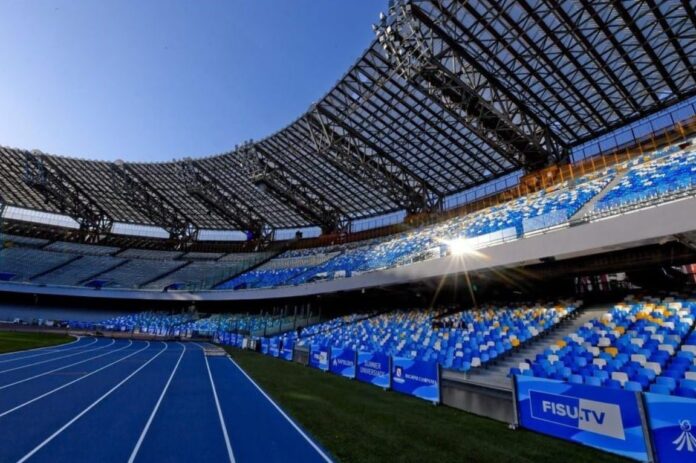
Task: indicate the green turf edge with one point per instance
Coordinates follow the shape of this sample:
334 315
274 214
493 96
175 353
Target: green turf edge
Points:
358 422
12 341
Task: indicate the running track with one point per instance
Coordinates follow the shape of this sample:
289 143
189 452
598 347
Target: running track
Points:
104 400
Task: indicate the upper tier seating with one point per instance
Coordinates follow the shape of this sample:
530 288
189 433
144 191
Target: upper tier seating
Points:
199 274
135 273
632 346
672 174
539 210
81 248
21 264
79 271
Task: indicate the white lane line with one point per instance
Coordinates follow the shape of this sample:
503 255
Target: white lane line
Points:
41 348
280 410
68 366
47 361
136 449
57 351
52 391
219 411
94 404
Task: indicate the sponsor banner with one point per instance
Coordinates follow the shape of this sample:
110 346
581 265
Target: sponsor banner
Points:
672 422
319 357
373 368
286 353
416 378
274 348
343 362
265 345
607 419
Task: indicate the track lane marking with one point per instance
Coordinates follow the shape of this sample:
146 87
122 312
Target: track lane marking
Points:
5 386
138 444
41 348
90 407
14 409
47 361
47 353
230 454
280 410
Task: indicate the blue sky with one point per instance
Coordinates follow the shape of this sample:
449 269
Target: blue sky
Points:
156 80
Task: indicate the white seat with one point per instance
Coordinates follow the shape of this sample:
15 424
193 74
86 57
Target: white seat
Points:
637 341
640 358
667 348
475 362
553 358
620 376
690 375
601 363
689 348
654 366
604 342
523 366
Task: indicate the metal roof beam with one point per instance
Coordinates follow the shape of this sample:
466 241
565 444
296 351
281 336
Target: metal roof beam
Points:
58 189
198 182
418 51
182 230
266 172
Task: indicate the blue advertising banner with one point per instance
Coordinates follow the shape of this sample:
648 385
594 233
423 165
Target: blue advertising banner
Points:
274 348
672 422
416 378
607 419
264 346
343 362
319 357
286 353
373 368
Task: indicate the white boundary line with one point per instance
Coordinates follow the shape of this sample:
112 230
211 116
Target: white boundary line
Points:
41 362
45 394
5 386
90 407
219 411
134 453
280 410
55 351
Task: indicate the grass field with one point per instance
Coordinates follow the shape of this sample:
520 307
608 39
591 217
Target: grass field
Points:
358 422
11 341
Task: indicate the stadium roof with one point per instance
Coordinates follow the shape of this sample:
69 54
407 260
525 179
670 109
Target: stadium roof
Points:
450 95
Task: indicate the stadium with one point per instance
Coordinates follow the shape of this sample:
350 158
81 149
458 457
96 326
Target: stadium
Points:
479 245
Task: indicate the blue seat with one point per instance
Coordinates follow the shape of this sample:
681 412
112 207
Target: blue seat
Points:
613 384
593 381
688 384
633 386
659 389
666 381
575 379
682 392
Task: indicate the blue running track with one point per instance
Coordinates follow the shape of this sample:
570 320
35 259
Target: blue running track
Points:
105 400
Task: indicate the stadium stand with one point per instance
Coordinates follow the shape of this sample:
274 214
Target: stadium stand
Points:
636 345
79 270
22 264
672 173
459 341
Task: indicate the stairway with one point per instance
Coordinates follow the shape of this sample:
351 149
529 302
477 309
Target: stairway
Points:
496 374
589 205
